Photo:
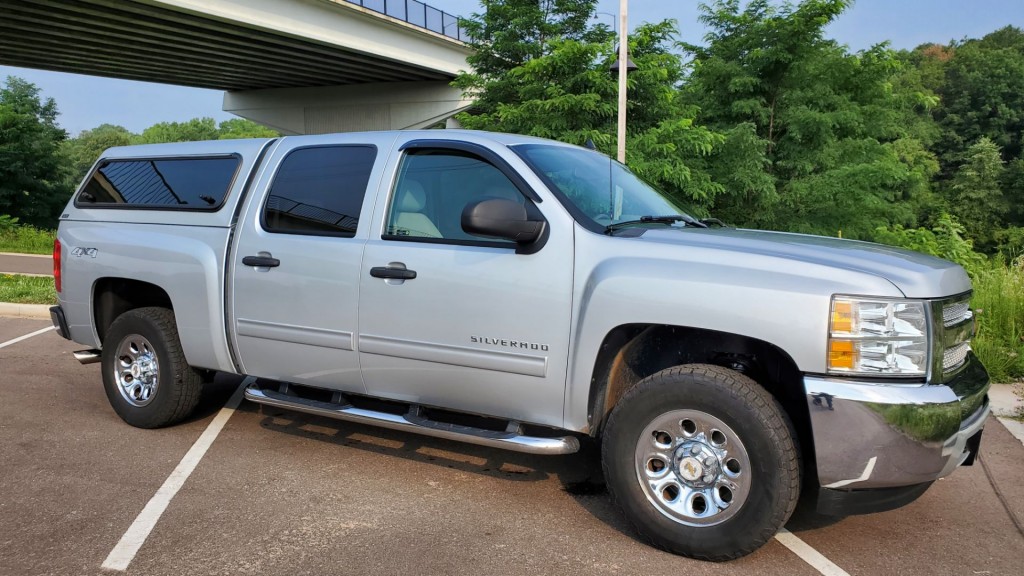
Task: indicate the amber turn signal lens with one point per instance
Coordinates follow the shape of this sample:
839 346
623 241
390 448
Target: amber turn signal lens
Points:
841 355
842 316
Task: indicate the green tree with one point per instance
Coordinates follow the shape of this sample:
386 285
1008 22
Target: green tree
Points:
242 128
567 93
983 96
826 142
510 33
1013 191
188 131
976 195
82 151
203 129
32 181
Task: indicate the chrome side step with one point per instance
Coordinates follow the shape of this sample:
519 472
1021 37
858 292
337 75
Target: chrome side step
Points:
414 421
88 356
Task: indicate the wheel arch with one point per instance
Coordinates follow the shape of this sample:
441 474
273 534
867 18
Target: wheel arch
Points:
113 296
631 352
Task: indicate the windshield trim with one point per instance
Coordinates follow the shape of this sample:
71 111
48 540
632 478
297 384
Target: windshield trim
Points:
578 215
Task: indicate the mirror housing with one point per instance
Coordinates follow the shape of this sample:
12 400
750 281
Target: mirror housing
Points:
500 218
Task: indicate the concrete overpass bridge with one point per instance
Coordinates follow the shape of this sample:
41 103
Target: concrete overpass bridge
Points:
299 66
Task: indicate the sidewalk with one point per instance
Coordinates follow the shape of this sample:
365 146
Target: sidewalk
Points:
1006 403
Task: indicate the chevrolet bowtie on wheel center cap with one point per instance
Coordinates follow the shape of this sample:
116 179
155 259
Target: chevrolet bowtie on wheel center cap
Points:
692 467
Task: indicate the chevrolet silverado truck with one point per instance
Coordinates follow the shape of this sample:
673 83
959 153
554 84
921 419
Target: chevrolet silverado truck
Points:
525 294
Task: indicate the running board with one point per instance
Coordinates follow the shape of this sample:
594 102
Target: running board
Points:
414 421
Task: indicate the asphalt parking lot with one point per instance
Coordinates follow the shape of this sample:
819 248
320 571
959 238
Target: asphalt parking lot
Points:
284 493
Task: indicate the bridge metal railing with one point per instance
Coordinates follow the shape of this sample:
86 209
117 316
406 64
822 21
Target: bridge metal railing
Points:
418 14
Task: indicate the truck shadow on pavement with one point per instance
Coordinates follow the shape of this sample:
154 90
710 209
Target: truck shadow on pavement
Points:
579 474
213 396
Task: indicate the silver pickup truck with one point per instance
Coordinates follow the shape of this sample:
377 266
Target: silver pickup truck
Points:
525 294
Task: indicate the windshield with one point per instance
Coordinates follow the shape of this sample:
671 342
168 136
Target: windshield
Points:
603 192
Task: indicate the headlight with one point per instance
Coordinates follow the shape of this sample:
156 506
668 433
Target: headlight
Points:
878 336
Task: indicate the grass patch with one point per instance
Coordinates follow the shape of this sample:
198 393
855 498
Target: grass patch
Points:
27 289
26 240
999 303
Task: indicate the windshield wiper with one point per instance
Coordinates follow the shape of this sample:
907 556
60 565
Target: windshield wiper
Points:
714 221
667 219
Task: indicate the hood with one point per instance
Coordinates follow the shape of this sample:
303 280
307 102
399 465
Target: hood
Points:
916 275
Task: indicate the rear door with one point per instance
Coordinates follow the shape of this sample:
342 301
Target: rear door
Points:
295 281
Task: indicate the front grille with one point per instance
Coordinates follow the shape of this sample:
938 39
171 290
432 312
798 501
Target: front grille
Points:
955 312
954 357
952 336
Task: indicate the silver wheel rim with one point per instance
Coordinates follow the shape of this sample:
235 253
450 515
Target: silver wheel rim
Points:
136 370
693 467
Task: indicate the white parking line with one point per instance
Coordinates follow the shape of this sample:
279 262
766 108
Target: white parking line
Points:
126 549
27 336
808 554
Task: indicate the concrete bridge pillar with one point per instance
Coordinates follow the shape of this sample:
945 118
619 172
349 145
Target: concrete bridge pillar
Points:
350 108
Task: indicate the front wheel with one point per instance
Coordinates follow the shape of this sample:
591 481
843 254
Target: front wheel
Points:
702 461
145 375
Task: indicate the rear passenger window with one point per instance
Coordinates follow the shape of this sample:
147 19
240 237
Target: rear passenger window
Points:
177 183
319 191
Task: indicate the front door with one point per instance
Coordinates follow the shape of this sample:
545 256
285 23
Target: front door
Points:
483 326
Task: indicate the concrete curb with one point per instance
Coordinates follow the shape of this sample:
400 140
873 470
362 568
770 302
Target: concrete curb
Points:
26 255
35 311
26 274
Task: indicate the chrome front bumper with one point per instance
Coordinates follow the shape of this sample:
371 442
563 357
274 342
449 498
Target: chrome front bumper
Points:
871 434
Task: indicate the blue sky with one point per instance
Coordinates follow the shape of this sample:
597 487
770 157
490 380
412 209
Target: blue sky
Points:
86 102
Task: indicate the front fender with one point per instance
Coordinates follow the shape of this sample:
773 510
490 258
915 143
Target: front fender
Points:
779 301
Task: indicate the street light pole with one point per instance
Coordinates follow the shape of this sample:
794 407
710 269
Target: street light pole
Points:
615 19
623 69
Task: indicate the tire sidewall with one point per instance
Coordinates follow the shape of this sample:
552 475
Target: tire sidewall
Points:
164 402
763 511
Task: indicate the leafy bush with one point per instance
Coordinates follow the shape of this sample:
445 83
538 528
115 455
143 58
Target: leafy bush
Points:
999 302
946 239
24 239
998 291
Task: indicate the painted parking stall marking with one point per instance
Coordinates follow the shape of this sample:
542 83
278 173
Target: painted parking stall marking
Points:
808 554
126 549
27 336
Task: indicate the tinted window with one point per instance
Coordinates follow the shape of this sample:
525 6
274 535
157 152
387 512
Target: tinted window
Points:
194 183
320 190
435 186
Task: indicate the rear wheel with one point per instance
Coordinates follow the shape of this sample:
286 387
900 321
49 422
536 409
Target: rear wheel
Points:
146 378
701 459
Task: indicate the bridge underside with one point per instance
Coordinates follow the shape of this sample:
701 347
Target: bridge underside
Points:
301 66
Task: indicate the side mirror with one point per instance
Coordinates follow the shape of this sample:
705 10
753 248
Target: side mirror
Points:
500 218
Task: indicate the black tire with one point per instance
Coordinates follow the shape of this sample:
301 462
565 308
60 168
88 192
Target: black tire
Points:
766 438
178 385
